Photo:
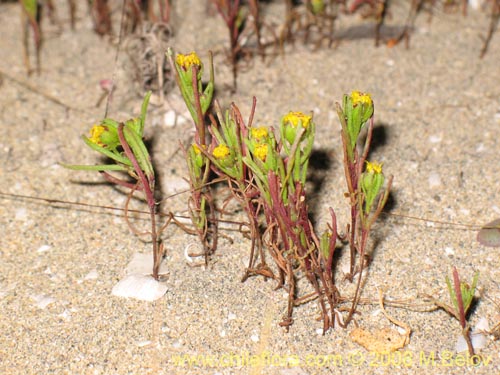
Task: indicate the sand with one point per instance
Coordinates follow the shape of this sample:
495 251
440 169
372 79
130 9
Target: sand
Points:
437 117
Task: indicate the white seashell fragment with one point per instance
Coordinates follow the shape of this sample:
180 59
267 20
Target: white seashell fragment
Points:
187 251
434 180
144 343
255 337
141 287
436 138
92 275
43 248
449 251
21 214
478 337
42 300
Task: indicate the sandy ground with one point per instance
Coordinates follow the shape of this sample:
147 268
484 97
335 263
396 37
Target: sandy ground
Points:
437 119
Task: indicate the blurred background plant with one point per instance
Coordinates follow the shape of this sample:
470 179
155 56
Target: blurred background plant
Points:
146 24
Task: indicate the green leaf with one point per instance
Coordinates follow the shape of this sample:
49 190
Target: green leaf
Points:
103 167
144 110
139 149
110 154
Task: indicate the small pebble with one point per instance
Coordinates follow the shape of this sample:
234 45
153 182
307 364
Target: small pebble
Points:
449 251
43 248
92 275
21 214
143 343
434 180
170 119
435 138
480 148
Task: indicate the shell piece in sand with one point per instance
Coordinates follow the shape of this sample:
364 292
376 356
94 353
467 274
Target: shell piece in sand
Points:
141 287
479 337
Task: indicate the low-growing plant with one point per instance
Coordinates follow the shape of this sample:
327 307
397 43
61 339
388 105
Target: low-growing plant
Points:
123 144
265 169
198 99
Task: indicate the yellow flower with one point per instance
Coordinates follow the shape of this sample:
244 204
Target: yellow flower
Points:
221 152
374 167
259 133
186 61
360 97
95 134
293 118
260 151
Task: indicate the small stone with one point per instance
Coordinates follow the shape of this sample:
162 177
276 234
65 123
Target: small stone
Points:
434 180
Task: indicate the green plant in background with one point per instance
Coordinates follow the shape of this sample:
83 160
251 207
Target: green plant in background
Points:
236 17
461 296
198 99
122 143
31 17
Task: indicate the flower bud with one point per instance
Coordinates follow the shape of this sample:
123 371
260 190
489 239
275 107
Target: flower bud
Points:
223 156
371 182
259 134
292 122
358 109
197 156
185 62
261 151
104 136
363 103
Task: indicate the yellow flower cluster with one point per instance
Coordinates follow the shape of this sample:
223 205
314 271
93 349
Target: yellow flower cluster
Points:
259 133
95 134
186 61
374 167
293 118
261 150
259 137
221 152
360 97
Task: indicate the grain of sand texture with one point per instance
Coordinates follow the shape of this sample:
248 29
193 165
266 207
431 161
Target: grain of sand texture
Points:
437 120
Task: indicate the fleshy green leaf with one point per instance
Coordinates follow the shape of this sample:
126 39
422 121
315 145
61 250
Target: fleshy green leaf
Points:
102 167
